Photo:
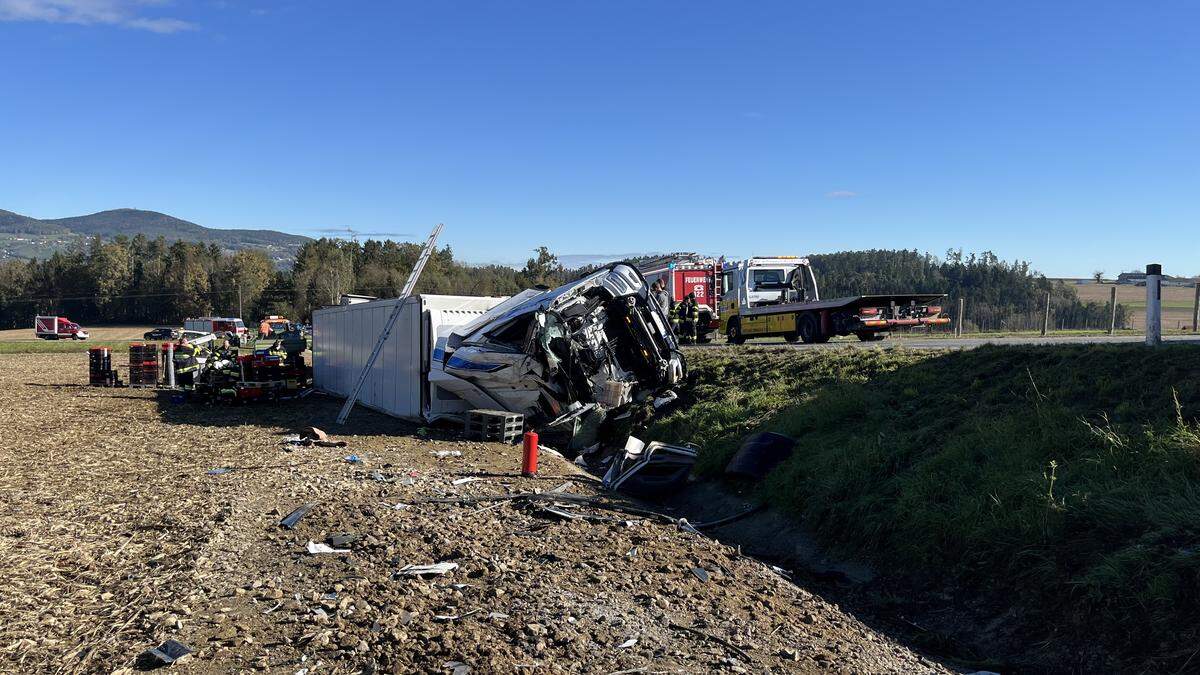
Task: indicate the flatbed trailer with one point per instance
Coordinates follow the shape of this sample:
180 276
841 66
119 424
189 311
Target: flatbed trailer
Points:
778 297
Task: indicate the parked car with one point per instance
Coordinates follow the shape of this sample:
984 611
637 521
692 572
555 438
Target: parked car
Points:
161 333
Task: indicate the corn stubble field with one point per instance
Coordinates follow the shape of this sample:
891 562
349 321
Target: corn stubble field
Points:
1059 481
114 537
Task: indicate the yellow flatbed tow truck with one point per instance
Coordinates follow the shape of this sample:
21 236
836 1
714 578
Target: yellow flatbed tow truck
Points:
778 296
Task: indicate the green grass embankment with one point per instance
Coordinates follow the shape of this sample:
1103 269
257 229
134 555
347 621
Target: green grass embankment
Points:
1066 477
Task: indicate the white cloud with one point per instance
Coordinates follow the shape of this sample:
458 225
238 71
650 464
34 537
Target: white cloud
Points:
841 194
126 13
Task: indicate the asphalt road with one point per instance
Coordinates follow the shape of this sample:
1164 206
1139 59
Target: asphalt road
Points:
968 342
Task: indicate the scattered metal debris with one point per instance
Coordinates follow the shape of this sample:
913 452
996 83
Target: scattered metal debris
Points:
463 481
163 655
713 638
290 520
342 539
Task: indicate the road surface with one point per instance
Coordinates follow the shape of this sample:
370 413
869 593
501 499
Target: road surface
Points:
968 342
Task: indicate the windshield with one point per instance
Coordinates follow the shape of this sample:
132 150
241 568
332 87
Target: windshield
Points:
769 279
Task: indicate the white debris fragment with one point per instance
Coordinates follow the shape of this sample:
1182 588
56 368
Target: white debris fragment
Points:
436 568
315 548
628 643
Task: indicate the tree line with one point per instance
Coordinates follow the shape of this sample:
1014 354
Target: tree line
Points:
136 280
149 281
998 295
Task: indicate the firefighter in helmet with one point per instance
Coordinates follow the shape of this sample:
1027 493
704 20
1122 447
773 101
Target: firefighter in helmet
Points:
186 363
689 317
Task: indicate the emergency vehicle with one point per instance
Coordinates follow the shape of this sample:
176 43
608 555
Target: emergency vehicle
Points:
684 273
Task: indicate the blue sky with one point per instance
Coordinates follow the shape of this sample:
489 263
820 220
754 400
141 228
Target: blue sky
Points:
1064 133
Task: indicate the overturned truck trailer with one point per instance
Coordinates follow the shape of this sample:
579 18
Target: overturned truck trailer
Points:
597 342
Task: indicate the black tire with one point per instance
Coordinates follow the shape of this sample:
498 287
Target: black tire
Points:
810 331
792 337
869 336
733 333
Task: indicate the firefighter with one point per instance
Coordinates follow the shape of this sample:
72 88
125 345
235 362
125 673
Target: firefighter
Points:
277 350
676 314
689 317
186 363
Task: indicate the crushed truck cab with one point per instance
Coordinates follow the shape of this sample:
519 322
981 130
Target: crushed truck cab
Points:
779 297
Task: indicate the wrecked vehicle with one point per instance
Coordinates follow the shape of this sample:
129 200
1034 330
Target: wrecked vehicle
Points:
598 343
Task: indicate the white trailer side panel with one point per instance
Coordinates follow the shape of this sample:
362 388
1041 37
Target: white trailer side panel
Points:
344 336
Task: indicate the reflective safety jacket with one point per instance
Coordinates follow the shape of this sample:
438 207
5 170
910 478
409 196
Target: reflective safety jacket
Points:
185 358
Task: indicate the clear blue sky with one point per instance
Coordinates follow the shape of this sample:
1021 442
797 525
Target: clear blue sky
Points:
1064 133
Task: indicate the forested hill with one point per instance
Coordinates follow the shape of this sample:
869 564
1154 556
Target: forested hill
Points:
25 237
999 295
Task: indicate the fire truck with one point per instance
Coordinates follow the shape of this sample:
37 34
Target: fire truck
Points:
684 273
216 324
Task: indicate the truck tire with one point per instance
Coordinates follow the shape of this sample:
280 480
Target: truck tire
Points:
733 333
792 337
869 336
810 330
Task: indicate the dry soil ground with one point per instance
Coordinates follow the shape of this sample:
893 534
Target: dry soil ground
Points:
114 537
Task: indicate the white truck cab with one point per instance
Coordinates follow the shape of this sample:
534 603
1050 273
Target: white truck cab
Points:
759 281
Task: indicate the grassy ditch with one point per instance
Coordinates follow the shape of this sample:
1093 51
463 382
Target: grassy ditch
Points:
1065 477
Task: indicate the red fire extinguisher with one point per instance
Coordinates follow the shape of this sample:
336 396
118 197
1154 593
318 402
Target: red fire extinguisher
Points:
530 456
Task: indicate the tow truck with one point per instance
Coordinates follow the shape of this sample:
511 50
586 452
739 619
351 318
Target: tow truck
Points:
778 296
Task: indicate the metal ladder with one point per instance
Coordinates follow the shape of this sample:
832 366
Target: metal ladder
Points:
391 323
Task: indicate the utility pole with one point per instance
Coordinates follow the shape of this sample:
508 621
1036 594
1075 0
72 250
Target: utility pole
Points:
239 300
1112 318
958 320
1153 304
1046 316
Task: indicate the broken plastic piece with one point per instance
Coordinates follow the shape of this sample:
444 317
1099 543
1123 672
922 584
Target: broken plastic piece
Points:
315 548
462 481
163 655
628 643
218 471
290 520
353 459
341 539
700 573
657 469
421 570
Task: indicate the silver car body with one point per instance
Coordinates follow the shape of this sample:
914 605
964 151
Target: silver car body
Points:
599 339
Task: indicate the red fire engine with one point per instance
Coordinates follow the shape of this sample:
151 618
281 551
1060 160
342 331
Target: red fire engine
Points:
684 273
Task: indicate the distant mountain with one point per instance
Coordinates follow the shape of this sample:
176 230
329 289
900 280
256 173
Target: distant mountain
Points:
25 237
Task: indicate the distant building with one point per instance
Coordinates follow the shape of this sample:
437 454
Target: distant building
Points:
1139 279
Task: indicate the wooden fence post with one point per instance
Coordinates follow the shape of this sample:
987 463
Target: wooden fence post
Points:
1046 316
958 320
1112 319
1196 308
